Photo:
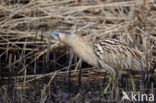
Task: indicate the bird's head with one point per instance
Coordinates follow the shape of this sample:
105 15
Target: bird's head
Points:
62 36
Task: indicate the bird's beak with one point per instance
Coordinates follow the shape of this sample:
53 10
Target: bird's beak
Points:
53 34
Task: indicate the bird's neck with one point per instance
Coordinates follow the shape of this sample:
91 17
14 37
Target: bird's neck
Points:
80 43
83 48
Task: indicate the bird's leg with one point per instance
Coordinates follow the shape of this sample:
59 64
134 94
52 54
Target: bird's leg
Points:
118 78
108 85
132 81
111 71
111 80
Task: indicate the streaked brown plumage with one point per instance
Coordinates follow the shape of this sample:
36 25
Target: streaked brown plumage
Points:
109 54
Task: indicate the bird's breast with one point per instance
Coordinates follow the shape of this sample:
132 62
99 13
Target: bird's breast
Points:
86 53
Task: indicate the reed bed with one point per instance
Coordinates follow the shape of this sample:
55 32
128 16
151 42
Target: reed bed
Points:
34 67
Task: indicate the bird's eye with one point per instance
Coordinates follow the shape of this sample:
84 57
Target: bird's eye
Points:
57 35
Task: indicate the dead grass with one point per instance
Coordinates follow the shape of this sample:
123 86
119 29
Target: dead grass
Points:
27 54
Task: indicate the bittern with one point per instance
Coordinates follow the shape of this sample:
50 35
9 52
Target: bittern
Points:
109 54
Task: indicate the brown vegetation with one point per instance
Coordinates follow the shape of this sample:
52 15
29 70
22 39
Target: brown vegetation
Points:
36 68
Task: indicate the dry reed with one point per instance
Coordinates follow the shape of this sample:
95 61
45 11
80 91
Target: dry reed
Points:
28 54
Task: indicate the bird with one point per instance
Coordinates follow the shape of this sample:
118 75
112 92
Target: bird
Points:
111 55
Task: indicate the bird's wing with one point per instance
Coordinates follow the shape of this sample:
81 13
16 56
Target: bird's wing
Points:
117 54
